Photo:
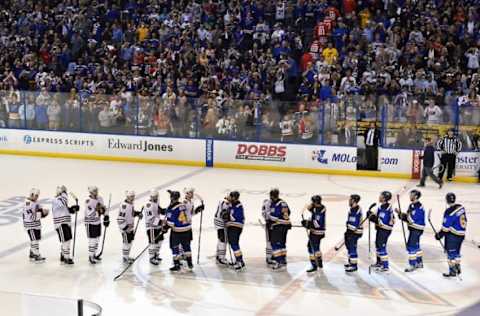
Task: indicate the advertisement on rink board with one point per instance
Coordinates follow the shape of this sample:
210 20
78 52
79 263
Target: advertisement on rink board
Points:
395 160
104 145
285 155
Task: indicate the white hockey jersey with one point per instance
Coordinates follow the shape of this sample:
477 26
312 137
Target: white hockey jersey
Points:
266 209
153 216
126 217
223 206
60 212
31 214
92 206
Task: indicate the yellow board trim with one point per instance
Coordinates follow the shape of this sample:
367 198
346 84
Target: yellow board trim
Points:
358 173
102 157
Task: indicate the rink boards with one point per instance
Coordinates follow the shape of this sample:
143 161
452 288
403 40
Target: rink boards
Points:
338 160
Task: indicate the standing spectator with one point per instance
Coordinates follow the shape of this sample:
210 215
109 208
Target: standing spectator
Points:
13 107
27 112
286 127
428 158
372 141
450 146
473 55
41 117
433 113
105 119
53 112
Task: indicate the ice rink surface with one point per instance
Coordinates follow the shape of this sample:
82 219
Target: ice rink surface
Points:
212 290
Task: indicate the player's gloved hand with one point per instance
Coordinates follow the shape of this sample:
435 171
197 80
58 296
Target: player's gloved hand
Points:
73 209
138 214
44 212
129 228
403 217
165 229
369 214
438 236
199 209
226 216
106 220
305 223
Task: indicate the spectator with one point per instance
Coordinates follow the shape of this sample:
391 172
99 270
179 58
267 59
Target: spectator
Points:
54 112
13 107
105 119
433 113
27 112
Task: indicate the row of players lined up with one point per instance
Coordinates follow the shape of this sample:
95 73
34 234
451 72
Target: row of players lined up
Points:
229 221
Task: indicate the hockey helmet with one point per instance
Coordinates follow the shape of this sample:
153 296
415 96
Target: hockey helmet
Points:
386 195
174 195
93 190
61 189
355 198
130 195
34 194
316 199
154 194
450 198
274 193
234 195
415 194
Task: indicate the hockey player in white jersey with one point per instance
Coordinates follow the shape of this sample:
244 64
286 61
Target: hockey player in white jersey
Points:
126 220
222 209
154 219
268 248
94 209
62 221
32 213
189 202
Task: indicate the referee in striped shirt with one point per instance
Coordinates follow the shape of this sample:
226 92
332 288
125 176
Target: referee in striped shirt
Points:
450 146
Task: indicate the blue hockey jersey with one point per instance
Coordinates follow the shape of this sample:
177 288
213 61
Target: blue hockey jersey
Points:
318 220
237 216
455 220
177 217
354 219
279 213
385 217
415 216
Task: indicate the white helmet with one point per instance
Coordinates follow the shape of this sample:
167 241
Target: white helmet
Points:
34 194
93 190
130 195
61 189
154 194
189 190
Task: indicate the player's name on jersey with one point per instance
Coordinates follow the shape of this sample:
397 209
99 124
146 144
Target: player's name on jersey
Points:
141 145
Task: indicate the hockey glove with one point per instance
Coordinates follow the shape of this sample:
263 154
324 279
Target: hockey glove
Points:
403 217
199 209
138 214
73 209
305 223
226 216
165 229
106 220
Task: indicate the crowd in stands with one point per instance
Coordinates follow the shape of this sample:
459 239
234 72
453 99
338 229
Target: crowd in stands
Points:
279 70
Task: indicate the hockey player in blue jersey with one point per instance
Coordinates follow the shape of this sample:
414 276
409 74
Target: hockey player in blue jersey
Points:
316 231
384 221
234 221
453 230
279 221
181 231
354 232
415 219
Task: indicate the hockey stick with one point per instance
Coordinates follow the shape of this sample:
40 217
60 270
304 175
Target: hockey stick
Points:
403 225
75 227
138 256
105 228
433 228
225 231
342 243
200 231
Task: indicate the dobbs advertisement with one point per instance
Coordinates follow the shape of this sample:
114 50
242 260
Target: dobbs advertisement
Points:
285 155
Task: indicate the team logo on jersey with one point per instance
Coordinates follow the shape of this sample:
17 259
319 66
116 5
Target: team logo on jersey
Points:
319 155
